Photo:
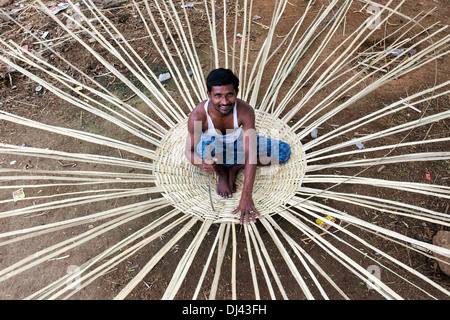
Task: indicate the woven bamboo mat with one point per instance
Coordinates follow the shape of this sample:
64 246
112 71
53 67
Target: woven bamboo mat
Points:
187 186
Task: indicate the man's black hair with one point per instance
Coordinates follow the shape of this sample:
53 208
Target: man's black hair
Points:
221 77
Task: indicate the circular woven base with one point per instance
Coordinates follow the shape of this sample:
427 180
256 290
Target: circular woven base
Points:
187 186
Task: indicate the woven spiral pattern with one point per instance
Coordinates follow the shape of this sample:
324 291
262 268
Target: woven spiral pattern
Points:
187 186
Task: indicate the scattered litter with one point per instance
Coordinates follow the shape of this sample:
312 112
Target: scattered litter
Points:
13 162
246 39
7 69
412 52
79 88
358 144
38 89
394 52
71 23
18 194
93 19
425 237
131 269
314 133
324 225
164 76
428 176
59 7
44 34
188 5
256 18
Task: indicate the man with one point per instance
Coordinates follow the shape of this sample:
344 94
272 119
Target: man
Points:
222 139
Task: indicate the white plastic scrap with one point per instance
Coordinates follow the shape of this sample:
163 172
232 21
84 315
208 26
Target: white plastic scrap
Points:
164 76
59 7
358 144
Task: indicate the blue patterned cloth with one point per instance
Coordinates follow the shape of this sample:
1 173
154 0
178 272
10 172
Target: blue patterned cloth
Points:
233 153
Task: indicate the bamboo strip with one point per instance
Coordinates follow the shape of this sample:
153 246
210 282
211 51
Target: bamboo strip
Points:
122 253
256 244
252 263
154 260
45 255
59 155
269 262
185 262
208 261
363 242
223 241
90 137
288 260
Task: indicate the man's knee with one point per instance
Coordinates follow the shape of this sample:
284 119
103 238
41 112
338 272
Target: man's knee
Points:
284 152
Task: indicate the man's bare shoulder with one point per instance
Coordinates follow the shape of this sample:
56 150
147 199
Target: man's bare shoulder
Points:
245 112
198 113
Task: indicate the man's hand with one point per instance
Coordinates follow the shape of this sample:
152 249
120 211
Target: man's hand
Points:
208 165
247 209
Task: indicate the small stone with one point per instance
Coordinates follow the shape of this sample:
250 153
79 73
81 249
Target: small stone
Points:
4 3
442 239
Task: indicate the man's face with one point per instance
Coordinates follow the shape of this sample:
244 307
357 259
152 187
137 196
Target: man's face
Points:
223 98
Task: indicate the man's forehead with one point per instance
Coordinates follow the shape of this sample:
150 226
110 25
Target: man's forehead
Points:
227 88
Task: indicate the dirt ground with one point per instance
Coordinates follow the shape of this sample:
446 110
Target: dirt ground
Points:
19 95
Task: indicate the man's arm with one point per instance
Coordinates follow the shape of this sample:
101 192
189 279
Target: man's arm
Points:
192 139
246 205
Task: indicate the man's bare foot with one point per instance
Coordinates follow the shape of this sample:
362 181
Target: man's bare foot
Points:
232 172
223 187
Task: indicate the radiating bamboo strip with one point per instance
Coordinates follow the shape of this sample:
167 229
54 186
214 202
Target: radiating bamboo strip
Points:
396 235
233 264
60 286
208 261
431 190
186 261
269 262
90 137
58 204
59 155
223 242
64 246
345 260
288 260
381 205
108 265
154 260
372 149
251 231
252 263
321 207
